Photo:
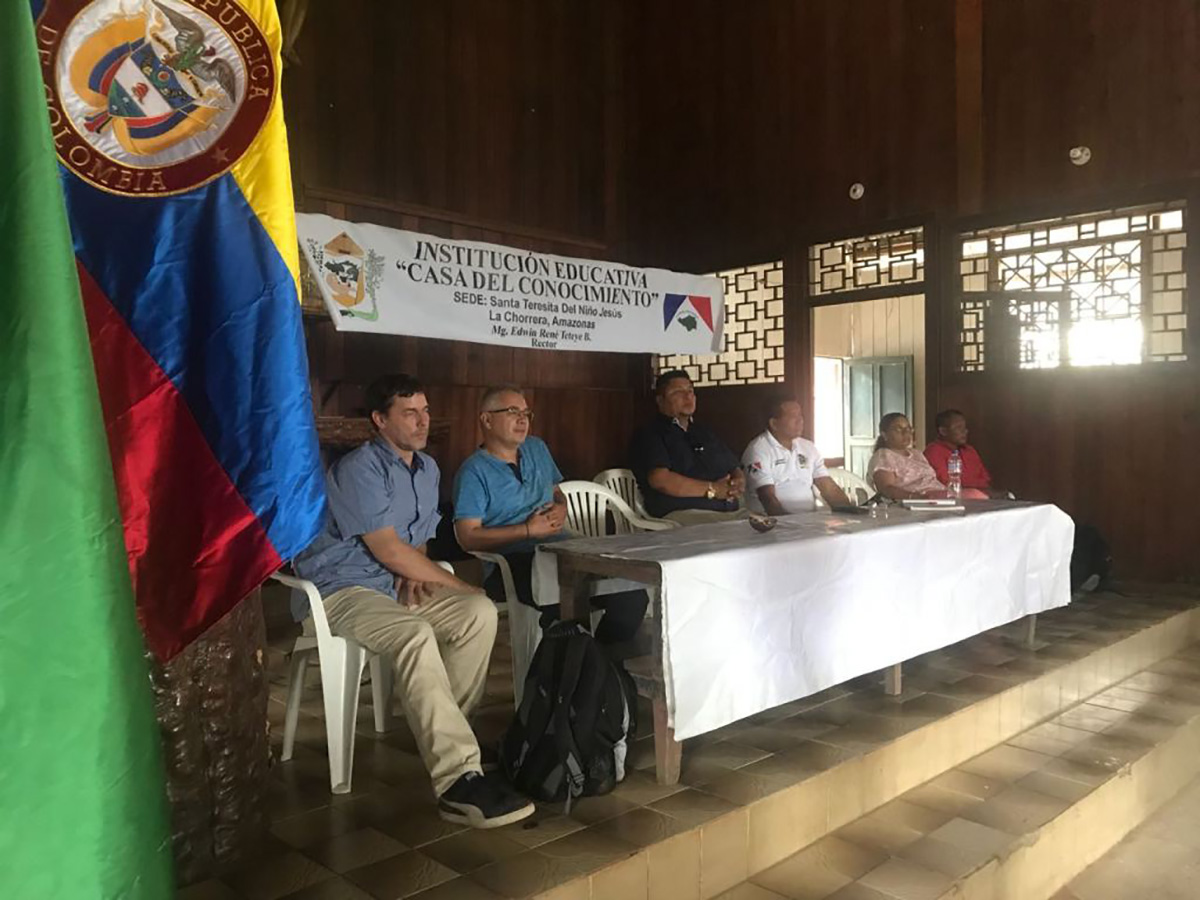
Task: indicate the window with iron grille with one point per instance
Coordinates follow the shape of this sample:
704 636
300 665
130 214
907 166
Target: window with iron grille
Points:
1099 289
753 339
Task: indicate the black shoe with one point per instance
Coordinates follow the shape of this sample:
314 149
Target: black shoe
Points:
474 801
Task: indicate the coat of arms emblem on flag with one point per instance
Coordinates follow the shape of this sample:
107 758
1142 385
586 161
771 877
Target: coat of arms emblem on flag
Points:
154 96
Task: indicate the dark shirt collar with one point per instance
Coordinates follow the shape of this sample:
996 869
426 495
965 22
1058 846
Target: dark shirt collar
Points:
664 419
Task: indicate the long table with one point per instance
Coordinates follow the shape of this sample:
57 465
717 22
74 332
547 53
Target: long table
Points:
745 621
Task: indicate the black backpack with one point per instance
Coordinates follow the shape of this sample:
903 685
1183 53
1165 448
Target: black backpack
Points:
578 711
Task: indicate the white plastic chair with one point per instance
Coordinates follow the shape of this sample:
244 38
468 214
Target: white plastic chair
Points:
855 488
342 662
623 483
588 506
524 624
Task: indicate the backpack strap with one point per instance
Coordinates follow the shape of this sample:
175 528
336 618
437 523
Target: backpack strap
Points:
568 751
536 715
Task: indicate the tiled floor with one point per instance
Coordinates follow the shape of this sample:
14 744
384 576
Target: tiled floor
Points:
920 845
1158 861
385 840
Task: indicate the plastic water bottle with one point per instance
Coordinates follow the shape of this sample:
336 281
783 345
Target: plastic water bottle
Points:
954 471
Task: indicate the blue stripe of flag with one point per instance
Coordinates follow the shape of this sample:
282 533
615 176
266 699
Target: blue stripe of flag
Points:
204 289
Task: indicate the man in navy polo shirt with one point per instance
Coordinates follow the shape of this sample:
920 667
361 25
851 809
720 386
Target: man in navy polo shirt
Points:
506 501
380 589
685 471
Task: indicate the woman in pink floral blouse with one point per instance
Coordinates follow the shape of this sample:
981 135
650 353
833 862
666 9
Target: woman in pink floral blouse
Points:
897 470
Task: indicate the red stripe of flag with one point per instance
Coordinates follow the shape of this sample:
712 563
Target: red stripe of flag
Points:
170 485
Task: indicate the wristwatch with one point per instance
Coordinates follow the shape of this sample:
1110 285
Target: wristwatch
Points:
711 493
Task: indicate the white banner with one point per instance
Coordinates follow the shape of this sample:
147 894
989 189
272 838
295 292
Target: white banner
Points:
399 282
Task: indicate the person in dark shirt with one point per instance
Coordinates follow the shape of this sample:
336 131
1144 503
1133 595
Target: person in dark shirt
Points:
685 472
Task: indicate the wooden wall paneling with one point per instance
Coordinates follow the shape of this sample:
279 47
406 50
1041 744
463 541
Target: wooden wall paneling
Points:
1121 78
968 85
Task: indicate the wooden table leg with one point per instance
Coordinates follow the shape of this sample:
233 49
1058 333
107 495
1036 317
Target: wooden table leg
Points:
892 681
1030 630
572 593
667 751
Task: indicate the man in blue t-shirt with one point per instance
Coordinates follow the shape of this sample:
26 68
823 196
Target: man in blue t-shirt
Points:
380 589
506 501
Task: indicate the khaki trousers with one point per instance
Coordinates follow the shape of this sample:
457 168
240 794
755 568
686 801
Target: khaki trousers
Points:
441 651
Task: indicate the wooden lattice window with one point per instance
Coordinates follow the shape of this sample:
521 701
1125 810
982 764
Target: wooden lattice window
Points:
753 342
1104 288
889 259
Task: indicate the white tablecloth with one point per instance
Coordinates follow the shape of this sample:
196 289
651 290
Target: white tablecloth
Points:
753 620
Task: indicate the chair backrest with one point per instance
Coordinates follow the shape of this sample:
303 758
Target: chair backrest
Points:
588 505
623 483
858 490
315 605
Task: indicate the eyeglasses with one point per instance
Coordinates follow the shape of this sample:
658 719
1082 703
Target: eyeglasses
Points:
526 414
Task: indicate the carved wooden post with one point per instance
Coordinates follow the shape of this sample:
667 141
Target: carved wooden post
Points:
212 709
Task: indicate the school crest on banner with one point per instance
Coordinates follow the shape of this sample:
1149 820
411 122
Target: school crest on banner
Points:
153 96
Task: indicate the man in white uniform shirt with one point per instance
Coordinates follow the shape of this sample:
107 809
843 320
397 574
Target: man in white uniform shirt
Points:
782 468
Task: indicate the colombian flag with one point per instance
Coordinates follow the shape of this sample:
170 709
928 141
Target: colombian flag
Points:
168 125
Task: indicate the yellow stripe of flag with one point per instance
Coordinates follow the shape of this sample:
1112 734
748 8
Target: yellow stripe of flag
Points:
263 173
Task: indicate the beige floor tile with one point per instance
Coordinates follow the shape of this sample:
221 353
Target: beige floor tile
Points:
401 876
729 754
674 868
341 889
1090 717
414 827
626 880
211 889
893 826
316 826
277 876
543 826
1107 752
354 850
1017 810
741 787
977 786
818 871
724 851
693 807
641 827
641 788
957 848
591 810
1055 786
858 891
472 850
749 891
1005 763
531 873
906 881
1141 867
943 800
